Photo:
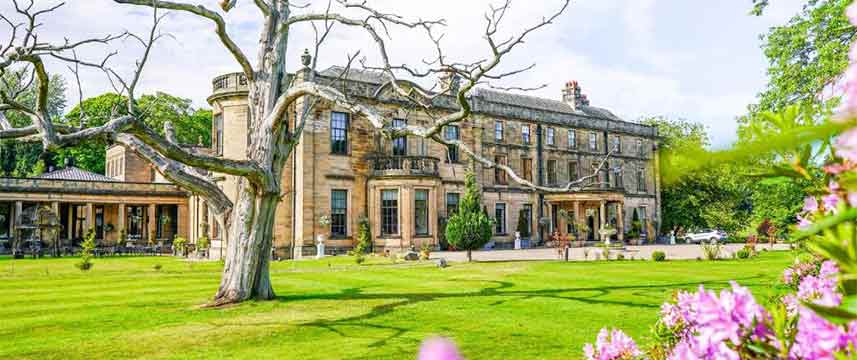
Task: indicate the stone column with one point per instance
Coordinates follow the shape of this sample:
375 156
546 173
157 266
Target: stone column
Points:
620 220
578 218
55 207
183 219
406 217
16 216
151 223
71 213
90 218
120 223
602 217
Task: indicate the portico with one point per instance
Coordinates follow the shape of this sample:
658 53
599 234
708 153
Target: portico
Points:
139 212
590 212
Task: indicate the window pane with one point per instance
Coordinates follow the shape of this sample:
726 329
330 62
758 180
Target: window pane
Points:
593 141
338 133
338 212
527 169
400 144
451 203
499 174
452 133
525 134
572 139
552 172
550 136
421 212
500 217
389 212
498 131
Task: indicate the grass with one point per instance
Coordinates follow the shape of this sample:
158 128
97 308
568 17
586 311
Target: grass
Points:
333 309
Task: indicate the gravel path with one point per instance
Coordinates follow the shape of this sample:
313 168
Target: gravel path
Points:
674 252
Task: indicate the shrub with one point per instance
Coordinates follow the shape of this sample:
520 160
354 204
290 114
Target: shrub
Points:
712 251
470 227
620 257
364 240
157 267
179 245
743 254
203 242
425 252
87 247
659 256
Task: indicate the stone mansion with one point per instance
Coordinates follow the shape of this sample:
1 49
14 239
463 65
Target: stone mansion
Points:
405 187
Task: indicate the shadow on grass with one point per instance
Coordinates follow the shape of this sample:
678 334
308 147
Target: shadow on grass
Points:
593 297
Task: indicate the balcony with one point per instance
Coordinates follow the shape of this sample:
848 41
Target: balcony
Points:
229 85
404 166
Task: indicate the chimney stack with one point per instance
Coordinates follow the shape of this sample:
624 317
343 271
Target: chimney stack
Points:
573 96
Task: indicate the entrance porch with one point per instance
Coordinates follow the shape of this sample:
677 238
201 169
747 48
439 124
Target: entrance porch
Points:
580 216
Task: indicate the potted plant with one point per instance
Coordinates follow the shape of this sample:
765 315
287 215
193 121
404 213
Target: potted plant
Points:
202 245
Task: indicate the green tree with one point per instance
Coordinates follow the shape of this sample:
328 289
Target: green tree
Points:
805 56
191 124
17 158
470 227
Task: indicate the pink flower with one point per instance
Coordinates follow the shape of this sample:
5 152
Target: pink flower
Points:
846 144
810 204
817 338
715 324
670 315
852 199
830 202
612 345
438 348
803 224
788 275
851 12
850 91
828 269
836 169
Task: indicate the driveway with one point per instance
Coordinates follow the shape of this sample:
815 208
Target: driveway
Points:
674 252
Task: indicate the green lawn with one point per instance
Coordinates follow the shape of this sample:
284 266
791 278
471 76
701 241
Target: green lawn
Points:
333 309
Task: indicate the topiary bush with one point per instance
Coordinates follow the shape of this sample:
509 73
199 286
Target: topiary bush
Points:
470 227
364 240
743 254
659 256
87 248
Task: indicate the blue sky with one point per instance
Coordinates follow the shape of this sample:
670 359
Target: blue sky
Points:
692 59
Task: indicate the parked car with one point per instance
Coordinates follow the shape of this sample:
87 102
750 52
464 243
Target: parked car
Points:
707 235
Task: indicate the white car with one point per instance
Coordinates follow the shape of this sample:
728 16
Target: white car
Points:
707 235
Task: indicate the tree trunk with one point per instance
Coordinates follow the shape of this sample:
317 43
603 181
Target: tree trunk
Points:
469 258
248 252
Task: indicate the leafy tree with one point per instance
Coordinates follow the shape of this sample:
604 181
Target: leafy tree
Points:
805 56
192 125
17 158
470 227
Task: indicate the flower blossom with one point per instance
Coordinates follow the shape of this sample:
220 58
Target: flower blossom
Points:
439 348
830 202
612 345
717 323
817 338
845 145
810 204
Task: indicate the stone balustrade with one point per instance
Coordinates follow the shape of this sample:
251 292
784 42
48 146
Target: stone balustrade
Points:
404 166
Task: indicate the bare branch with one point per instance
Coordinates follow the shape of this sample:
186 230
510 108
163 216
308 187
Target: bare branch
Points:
220 26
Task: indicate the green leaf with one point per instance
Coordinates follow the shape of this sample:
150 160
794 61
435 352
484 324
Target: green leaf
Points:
836 315
827 223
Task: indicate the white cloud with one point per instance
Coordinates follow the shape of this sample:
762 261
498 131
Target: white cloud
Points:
610 46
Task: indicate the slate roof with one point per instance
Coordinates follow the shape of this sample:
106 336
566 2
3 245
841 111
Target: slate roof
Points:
489 95
74 174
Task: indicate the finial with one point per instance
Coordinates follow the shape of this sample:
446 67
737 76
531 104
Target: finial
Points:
306 58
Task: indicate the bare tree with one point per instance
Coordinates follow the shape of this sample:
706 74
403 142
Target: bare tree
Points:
249 221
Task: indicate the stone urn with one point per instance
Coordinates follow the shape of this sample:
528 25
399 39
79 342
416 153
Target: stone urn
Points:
319 246
517 240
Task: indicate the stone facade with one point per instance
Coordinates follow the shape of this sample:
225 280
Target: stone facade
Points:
406 187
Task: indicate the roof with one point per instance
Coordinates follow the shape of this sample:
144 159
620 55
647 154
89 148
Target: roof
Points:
489 95
76 174
367 76
534 102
